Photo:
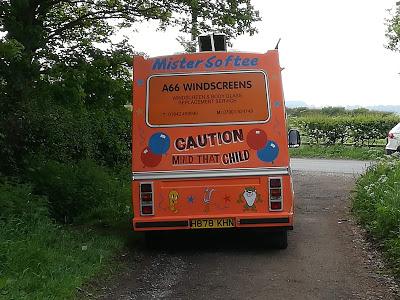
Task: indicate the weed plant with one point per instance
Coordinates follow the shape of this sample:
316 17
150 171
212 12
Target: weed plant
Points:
376 204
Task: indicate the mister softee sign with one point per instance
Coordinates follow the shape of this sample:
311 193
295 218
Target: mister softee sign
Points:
212 62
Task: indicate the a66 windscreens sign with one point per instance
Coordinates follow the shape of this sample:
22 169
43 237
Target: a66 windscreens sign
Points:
207 99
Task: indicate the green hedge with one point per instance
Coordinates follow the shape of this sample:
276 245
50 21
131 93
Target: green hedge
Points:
64 134
357 129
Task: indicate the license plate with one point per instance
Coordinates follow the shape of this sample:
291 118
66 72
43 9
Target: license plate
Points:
212 223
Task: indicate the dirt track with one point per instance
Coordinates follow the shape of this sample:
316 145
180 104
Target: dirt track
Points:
326 258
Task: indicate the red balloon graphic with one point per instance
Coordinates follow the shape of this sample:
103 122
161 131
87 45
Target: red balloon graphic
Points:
150 159
256 139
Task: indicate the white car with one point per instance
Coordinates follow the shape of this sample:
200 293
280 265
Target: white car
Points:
393 144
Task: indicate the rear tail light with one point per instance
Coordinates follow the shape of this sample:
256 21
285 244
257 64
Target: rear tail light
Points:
147 210
275 183
275 194
390 135
276 205
146 199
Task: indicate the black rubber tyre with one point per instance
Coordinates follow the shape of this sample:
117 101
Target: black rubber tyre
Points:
152 239
280 239
390 151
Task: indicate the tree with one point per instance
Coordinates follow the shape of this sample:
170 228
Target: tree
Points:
53 78
49 30
40 34
393 29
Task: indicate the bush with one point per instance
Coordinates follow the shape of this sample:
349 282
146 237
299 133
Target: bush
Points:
82 192
333 111
357 129
18 203
67 135
64 134
324 130
376 204
113 137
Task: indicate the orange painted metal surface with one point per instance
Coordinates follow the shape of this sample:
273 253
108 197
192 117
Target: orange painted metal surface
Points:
210 111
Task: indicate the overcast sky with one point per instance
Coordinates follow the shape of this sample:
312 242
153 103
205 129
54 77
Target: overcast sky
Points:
333 51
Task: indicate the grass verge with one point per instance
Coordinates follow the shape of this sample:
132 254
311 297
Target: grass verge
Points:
40 259
46 261
376 204
337 151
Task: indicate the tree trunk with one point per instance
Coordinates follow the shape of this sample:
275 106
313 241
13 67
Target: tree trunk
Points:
194 31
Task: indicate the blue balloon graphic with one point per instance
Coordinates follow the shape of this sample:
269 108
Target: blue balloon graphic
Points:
159 143
269 153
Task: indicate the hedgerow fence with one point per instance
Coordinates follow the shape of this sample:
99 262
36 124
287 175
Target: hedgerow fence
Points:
359 130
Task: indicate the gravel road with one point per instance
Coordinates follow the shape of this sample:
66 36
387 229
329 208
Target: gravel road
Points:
335 166
327 257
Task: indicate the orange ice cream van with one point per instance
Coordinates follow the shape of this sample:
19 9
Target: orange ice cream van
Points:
210 144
